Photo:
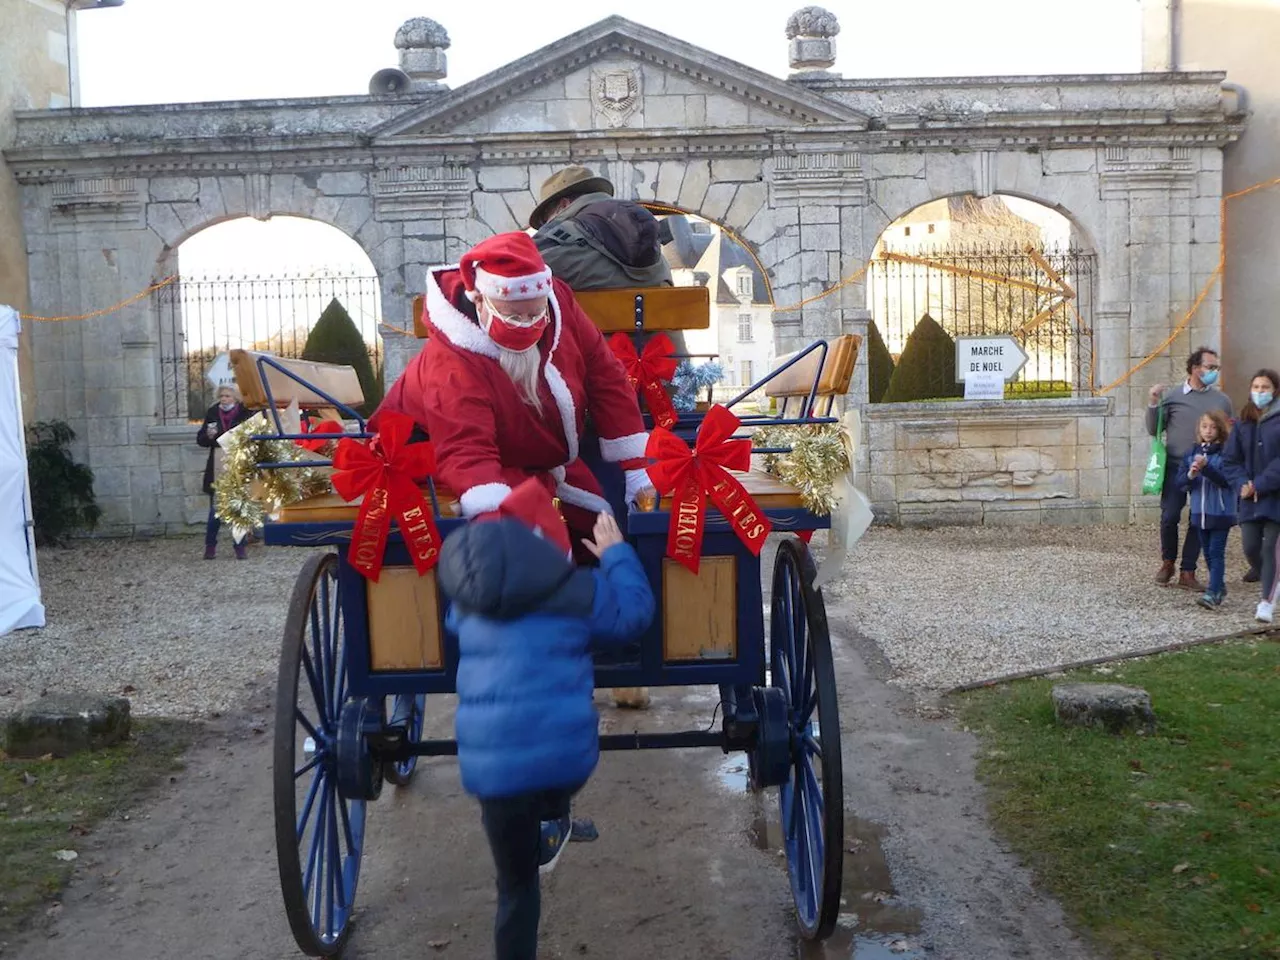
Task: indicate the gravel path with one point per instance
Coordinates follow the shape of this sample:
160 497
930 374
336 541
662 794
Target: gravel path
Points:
192 638
955 605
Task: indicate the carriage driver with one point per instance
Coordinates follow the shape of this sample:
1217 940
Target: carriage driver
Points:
505 381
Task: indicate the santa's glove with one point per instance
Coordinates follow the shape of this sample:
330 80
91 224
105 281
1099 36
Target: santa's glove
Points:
637 480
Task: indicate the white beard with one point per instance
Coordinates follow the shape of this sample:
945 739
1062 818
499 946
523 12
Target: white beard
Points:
523 367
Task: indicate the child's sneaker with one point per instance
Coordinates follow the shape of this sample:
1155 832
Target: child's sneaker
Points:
1210 600
555 837
1265 612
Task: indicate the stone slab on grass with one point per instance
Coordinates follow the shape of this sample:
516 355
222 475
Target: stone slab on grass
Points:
66 723
1113 707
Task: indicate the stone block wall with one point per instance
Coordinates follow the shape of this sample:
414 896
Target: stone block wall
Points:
993 462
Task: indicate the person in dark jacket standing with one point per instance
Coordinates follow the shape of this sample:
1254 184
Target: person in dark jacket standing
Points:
228 412
1182 408
527 728
1213 502
1252 464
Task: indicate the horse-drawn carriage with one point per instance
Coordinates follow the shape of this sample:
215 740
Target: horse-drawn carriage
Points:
360 655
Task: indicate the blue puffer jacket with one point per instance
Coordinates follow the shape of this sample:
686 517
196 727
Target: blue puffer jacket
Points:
1213 499
525 619
1253 453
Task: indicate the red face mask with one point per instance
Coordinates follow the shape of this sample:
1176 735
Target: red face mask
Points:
514 333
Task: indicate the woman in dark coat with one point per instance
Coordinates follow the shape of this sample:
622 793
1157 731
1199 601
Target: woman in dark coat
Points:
1251 462
227 413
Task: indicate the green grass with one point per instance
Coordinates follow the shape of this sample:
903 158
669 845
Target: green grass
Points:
1166 846
49 805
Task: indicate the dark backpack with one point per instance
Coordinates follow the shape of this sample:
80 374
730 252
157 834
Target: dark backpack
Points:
624 230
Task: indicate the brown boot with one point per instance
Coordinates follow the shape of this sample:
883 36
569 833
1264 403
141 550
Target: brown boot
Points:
1187 580
1165 573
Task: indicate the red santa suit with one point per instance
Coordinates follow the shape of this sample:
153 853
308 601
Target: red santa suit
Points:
487 439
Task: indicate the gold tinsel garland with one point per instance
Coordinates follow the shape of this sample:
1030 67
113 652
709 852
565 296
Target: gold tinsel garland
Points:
244 494
818 457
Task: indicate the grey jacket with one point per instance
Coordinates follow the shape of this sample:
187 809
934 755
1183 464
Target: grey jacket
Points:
1182 413
581 260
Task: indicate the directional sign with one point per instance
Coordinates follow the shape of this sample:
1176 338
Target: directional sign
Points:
989 355
220 373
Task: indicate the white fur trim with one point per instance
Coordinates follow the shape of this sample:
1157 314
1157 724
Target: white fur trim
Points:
636 480
457 327
564 402
483 498
624 448
583 498
558 474
497 287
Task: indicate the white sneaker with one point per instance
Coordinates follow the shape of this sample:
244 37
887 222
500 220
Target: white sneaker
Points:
1265 611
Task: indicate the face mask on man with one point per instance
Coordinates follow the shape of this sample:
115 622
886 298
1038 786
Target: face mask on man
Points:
512 332
1209 377
1261 398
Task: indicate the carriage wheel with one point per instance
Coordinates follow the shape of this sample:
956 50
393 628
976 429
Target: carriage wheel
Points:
407 709
319 833
812 799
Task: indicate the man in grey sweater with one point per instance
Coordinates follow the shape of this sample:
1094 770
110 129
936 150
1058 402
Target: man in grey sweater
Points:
1183 406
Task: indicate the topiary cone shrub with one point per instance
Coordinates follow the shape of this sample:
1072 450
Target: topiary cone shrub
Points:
927 368
336 339
879 364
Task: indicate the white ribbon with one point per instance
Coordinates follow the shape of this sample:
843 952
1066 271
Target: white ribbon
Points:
851 516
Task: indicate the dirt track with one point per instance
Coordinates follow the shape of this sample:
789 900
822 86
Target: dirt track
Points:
678 871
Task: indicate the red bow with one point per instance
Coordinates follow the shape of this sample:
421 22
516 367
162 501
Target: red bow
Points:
703 472
384 471
647 370
318 426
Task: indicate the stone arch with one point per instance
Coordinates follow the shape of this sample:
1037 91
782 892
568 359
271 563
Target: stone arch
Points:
975 245
248 295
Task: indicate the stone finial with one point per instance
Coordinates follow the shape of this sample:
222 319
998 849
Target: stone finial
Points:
422 44
421 33
812 32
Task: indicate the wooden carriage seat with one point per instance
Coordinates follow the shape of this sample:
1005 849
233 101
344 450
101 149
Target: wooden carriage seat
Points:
660 308
795 383
339 381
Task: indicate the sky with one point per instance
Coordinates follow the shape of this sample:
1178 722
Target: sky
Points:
174 51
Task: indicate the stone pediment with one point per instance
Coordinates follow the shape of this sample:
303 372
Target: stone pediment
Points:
619 75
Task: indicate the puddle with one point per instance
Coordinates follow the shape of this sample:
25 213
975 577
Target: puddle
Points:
732 772
874 924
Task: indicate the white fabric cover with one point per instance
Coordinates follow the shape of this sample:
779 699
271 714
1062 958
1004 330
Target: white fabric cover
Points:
19 588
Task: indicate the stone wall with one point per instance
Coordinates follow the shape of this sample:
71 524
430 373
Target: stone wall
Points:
808 172
997 462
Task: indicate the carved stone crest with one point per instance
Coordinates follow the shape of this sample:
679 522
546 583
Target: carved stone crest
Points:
615 94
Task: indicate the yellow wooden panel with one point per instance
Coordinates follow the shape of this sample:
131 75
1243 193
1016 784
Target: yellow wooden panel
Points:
837 370
331 508
665 308
700 611
336 379
404 621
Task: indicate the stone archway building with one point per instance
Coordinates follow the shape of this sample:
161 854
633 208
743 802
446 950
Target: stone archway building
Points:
808 170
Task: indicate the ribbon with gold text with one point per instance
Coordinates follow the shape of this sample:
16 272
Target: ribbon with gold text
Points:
694 476
384 471
647 370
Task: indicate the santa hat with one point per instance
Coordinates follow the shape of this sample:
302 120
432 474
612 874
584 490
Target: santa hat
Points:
530 504
505 267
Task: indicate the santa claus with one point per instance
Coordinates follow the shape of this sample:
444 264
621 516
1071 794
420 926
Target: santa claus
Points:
508 375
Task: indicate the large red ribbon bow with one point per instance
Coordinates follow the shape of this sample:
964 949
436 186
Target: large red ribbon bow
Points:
694 475
384 471
318 427
646 371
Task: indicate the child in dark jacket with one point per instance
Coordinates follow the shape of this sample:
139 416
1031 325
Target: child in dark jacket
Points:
527 726
1213 501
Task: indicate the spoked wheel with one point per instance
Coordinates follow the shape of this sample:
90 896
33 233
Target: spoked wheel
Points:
407 709
319 833
812 799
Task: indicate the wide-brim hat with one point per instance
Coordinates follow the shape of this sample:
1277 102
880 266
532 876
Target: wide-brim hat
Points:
569 182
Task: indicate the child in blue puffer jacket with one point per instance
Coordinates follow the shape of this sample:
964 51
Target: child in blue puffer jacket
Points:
527 726
1213 501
